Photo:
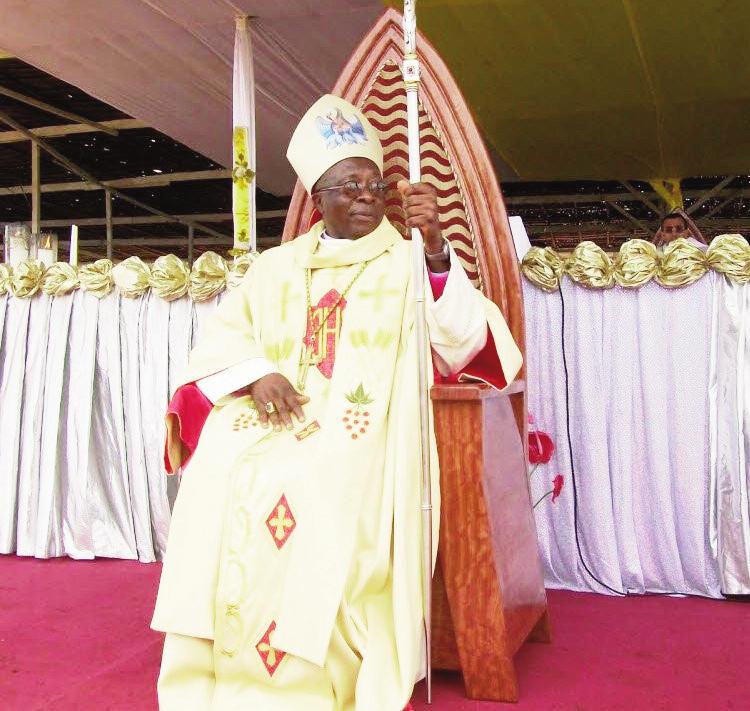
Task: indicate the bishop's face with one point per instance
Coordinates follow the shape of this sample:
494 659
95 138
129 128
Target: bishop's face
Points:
348 212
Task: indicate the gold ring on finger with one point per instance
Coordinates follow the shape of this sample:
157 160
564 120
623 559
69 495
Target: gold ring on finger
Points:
270 408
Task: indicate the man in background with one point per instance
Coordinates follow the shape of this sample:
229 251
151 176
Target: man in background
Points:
675 225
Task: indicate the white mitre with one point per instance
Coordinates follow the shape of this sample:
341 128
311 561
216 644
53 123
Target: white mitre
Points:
331 131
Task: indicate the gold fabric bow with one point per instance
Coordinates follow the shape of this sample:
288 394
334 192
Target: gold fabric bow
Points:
26 278
208 276
590 266
239 268
636 264
60 278
681 263
170 277
638 261
96 278
5 278
730 255
543 267
132 277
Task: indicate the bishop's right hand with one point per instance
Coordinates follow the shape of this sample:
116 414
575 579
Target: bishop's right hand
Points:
276 401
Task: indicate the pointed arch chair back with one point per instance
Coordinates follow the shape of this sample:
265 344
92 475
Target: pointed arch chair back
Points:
454 160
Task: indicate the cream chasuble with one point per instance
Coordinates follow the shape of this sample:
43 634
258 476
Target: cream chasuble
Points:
299 552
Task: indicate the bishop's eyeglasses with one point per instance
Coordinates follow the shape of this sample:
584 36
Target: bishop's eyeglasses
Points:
354 188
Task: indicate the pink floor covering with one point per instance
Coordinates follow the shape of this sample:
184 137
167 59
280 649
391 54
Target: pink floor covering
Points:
74 635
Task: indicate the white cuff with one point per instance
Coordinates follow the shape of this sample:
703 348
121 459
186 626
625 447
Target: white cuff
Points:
456 321
227 381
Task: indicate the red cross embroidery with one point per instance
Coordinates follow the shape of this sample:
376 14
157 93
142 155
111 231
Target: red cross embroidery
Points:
281 522
270 656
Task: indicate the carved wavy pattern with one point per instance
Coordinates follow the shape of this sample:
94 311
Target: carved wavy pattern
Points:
385 107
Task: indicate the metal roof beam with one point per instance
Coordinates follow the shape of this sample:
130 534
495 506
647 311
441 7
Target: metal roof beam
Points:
157 219
593 198
633 219
43 106
89 178
710 193
642 197
158 180
68 129
170 242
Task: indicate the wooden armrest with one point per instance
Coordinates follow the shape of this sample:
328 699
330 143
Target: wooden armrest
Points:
474 391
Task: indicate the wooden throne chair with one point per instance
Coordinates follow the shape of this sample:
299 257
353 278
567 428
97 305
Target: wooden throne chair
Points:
488 590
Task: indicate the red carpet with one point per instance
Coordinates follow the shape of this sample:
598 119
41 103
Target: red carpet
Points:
74 636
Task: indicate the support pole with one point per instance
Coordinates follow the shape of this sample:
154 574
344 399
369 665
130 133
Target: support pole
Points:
108 215
36 189
191 244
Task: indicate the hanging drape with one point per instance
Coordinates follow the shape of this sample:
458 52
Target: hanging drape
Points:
657 395
84 383
729 398
243 139
658 405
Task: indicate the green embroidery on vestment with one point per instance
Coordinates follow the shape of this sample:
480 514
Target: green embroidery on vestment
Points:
379 293
381 339
356 419
286 298
280 351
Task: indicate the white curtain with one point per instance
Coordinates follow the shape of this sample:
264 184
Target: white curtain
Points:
729 395
84 384
638 379
658 398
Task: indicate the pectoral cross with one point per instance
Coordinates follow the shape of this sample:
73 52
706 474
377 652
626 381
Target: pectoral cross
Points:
310 356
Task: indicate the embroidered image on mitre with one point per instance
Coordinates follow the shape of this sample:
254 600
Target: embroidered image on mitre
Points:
331 131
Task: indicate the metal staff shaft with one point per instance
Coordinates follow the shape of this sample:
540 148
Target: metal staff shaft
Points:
411 80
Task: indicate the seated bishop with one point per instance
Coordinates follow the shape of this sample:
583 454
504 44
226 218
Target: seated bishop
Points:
292 574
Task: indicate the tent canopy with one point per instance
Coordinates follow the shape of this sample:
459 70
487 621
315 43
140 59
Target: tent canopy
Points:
602 89
584 90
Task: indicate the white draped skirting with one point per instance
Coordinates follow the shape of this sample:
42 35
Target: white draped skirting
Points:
657 402
656 406
84 385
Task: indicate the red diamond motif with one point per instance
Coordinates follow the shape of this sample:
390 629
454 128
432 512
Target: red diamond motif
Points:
270 657
281 522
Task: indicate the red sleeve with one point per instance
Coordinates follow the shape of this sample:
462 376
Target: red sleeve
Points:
486 364
191 408
438 280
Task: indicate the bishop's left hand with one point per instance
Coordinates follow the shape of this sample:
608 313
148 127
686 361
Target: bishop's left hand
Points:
421 211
